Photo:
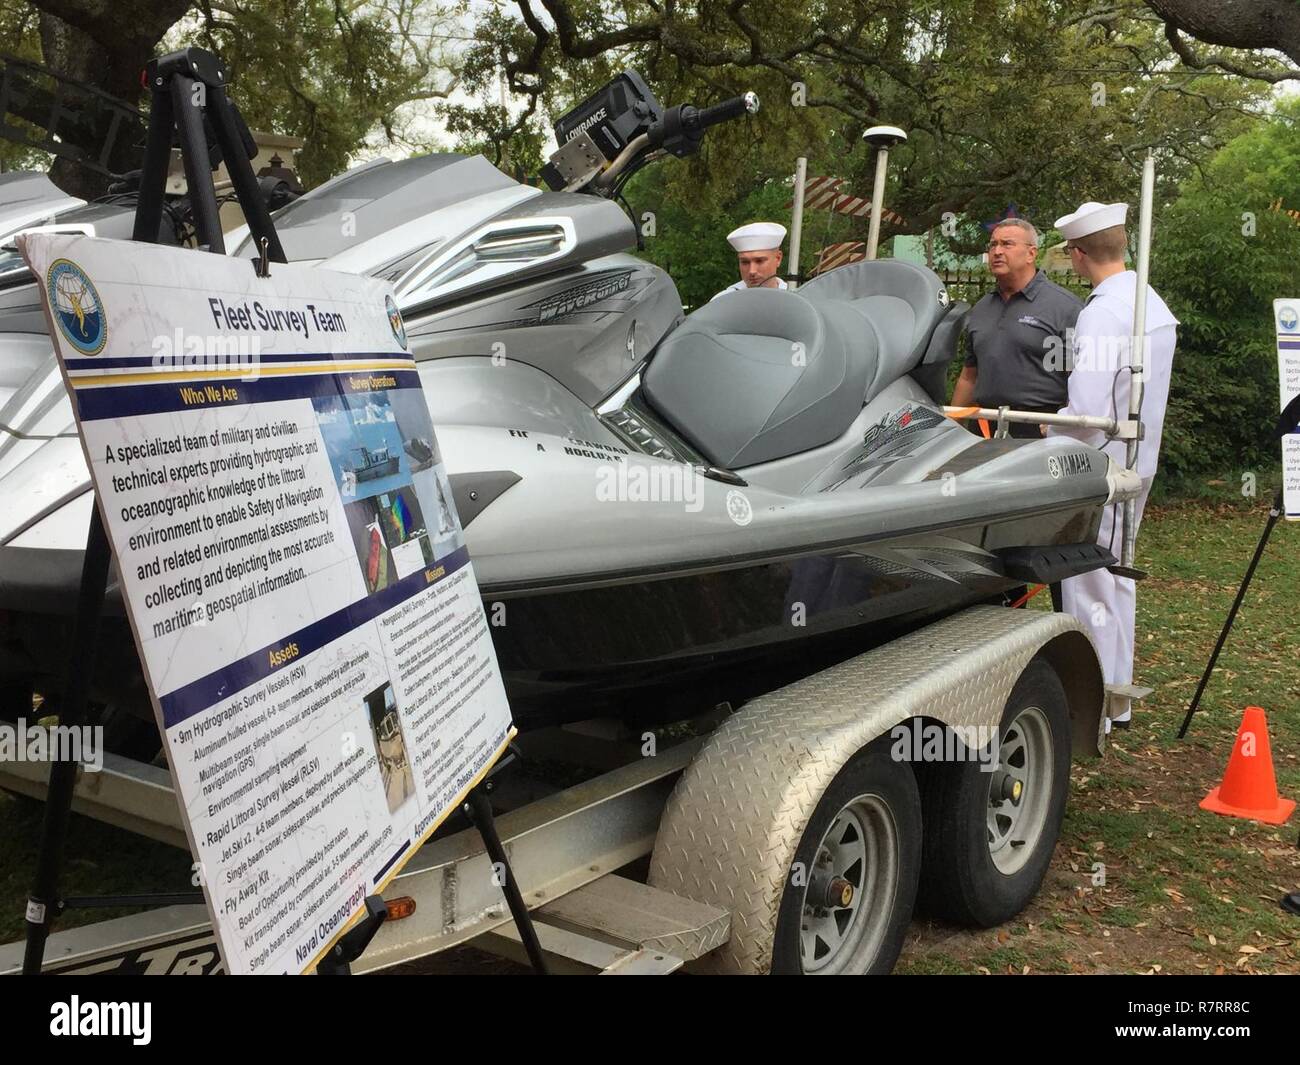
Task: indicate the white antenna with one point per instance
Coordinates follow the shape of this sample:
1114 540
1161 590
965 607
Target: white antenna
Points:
1138 353
882 138
796 219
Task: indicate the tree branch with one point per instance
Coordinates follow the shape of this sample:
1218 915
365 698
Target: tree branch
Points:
1189 57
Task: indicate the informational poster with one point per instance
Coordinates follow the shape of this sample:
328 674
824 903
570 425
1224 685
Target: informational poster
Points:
293 567
1286 315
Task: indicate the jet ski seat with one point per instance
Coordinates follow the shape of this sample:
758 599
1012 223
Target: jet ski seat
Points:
901 301
761 374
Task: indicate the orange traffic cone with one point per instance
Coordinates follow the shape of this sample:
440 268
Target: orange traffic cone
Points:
1249 788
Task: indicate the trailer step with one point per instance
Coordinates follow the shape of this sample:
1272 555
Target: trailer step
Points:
620 927
637 914
572 954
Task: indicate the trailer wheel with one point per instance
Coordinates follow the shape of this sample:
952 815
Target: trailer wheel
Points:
848 900
989 836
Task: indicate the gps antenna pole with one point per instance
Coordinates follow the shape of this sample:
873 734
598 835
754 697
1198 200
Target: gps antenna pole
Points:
796 221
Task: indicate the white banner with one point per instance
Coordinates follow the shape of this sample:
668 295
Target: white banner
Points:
293 567
1286 316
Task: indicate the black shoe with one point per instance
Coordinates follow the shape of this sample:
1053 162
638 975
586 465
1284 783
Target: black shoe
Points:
1121 724
1291 903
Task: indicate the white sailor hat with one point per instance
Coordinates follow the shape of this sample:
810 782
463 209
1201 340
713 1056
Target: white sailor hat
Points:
1091 218
757 236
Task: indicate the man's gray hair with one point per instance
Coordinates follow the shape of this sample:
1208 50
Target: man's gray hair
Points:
1021 224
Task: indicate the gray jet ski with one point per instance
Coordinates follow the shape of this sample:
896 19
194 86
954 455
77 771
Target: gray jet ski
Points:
664 511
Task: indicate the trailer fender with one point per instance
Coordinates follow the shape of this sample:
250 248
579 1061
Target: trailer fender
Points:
735 818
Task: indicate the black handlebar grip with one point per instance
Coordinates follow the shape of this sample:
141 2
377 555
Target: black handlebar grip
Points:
736 107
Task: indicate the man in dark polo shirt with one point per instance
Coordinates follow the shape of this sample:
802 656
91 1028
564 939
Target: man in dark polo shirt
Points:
1015 336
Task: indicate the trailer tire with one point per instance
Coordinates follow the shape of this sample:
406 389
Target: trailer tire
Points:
984 859
871 813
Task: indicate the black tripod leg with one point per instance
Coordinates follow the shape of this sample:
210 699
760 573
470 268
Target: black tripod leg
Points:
153 174
188 113
63 774
1273 515
480 812
241 174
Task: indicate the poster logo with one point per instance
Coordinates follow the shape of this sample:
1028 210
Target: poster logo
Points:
1287 319
395 320
77 307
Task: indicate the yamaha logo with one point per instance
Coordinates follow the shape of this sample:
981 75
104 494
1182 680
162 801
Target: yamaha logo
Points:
1071 464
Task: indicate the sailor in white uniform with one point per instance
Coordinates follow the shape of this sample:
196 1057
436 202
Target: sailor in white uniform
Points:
1099 385
758 250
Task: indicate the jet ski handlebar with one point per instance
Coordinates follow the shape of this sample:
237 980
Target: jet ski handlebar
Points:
678 132
696 119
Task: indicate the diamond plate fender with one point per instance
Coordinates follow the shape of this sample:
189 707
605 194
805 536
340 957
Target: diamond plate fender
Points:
734 820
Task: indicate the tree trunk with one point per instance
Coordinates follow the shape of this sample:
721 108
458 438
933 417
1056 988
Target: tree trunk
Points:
105 45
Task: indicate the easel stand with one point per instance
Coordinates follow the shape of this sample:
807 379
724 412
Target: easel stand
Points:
188 95
189 105
1275 512
1288 421
479 810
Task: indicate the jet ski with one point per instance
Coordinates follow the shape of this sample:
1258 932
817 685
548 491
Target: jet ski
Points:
665 512
28 198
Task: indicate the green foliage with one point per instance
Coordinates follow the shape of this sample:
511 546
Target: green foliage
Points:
689 238
19 37
1221 255
337 73
1033 103
328 72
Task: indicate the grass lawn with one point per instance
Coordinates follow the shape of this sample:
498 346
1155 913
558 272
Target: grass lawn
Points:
1142 881
1184 891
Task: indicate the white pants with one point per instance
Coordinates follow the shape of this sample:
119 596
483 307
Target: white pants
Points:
1107 605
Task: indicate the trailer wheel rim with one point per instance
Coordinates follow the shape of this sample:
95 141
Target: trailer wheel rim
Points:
862 847
1016 821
